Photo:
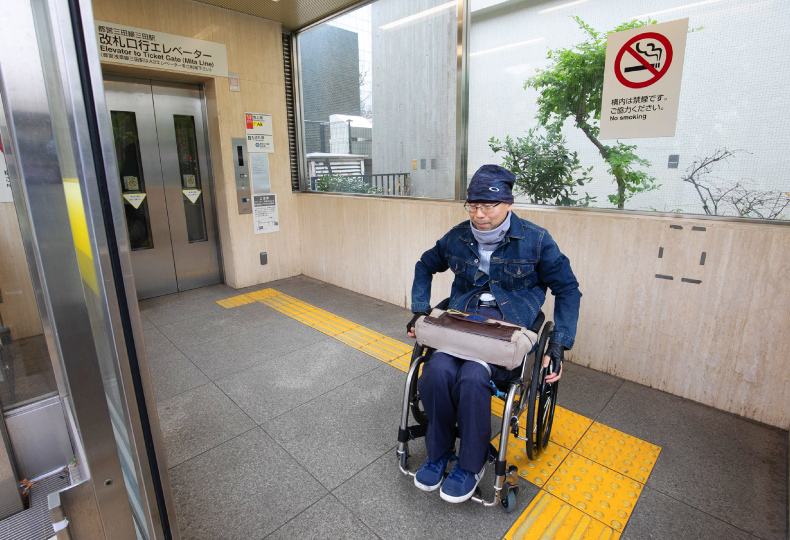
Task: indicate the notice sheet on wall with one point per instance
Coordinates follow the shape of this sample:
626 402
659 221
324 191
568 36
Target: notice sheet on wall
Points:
259 174
264 214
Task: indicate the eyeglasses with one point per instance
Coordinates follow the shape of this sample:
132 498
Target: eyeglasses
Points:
486 208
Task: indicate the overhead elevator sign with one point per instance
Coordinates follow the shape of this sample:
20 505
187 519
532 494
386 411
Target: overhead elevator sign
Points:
151 49
641 88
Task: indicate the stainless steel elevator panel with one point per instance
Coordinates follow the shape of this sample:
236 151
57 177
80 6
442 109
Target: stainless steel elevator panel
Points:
160 146
40 438
10 497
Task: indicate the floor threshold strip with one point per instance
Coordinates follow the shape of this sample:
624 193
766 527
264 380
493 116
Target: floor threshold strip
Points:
590 475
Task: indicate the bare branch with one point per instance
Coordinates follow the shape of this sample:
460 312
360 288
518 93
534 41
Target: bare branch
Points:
697 173
755 203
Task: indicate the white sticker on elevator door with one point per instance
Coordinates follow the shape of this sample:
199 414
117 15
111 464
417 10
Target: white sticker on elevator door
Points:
192 194
135 199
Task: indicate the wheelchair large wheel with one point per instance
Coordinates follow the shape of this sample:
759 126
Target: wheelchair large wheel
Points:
414 402
536 421
547 401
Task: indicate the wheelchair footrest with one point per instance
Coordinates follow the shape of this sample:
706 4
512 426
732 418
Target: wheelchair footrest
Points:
412 432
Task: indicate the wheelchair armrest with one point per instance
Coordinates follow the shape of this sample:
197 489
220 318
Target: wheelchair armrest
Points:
444 304
539 320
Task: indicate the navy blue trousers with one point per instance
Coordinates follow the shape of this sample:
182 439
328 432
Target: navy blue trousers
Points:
456 391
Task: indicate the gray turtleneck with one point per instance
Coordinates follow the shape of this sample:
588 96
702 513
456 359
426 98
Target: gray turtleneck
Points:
489 240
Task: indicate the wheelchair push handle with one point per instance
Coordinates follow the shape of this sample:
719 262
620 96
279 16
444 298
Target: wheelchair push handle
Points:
444 304
555 352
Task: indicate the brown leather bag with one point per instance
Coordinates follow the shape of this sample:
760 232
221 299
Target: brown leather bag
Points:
472 337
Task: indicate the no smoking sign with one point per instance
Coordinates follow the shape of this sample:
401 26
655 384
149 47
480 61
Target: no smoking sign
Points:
643 60
642 79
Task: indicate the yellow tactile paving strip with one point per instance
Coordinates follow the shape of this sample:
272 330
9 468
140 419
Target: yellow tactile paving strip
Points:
236 301
377 345
549 517
590 475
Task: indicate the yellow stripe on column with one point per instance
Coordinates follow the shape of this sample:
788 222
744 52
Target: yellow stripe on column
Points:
79 231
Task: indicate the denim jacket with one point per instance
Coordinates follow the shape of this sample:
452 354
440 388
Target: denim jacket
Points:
523 265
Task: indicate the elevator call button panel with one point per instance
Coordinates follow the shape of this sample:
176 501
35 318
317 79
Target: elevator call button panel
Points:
243 187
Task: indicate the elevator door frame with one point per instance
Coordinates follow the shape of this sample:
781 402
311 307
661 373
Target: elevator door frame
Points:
62 170
154 102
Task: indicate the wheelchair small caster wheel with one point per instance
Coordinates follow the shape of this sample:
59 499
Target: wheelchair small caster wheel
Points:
512 475
509 502
404 457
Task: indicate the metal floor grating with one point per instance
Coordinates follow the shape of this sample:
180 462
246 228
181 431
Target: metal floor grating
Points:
34 523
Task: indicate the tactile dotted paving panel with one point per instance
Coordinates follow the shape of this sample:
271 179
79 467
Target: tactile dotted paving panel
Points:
568 427
595 490
549 517
619 451
539 470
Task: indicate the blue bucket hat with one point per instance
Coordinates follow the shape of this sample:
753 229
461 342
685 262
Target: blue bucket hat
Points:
491 183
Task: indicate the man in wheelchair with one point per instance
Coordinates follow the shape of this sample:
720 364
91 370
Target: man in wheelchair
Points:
503 265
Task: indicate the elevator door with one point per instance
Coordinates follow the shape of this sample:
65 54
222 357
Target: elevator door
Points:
160 145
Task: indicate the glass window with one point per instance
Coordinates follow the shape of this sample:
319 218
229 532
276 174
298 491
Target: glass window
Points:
379 100
130 167
191 186
535 79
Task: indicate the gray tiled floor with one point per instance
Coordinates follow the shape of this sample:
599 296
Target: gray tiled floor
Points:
274 430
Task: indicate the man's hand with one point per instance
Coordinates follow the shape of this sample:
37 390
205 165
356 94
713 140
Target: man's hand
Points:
554 356
413 321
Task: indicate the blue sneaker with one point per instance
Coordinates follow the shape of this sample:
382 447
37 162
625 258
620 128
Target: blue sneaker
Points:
460 484
430 475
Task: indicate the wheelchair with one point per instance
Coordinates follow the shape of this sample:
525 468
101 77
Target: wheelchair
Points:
526 392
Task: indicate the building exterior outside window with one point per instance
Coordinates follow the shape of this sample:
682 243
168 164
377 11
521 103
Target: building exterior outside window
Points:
393 98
